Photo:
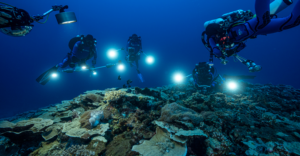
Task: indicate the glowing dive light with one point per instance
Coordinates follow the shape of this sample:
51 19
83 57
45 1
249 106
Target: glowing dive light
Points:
121 67
54 75
232 85
112 53
178 77
64 17
94 73
83 67
150 59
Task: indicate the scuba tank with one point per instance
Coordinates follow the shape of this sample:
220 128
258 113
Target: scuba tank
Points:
228 19
214 21
81 38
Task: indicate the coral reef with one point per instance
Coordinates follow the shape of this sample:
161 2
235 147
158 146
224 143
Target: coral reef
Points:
161 144
262 120
173 111
112 96
91 118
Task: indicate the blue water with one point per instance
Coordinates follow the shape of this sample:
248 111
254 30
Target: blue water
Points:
170 30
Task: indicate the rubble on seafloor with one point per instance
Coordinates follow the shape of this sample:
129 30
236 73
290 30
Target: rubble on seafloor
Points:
174 120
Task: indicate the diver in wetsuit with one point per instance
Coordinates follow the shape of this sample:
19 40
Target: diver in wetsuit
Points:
134 49
82 48
203 76
226 36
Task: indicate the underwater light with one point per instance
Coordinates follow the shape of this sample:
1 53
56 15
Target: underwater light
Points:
54 75
150 59
65 17
83 67
94 73
178 77
121 67
68 22
112 53
232 85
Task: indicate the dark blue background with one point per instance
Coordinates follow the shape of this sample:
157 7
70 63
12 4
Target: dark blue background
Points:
170 29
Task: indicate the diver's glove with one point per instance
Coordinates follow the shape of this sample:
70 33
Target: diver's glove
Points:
256 68
252 66
4 15
223 60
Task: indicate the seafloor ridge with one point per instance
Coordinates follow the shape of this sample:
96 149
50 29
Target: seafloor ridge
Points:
175 120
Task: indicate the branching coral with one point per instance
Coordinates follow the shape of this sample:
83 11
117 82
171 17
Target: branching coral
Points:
79 150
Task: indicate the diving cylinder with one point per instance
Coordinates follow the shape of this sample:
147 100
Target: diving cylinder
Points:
278 5
215 21
237 12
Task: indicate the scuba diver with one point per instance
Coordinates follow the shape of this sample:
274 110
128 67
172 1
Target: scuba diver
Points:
134 49
226 36
203 76
82 48
17 22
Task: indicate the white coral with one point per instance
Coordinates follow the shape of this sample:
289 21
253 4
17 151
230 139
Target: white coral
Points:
96 116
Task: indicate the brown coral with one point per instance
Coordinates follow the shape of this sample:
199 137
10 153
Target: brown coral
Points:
93 97
84 120
173 111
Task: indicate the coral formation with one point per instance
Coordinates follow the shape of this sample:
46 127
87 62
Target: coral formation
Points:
173 111
170 120
79 150
90 119
113 96
93 97
161 144
52 131
95 118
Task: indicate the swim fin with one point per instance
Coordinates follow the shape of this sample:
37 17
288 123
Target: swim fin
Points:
46 76
141 77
